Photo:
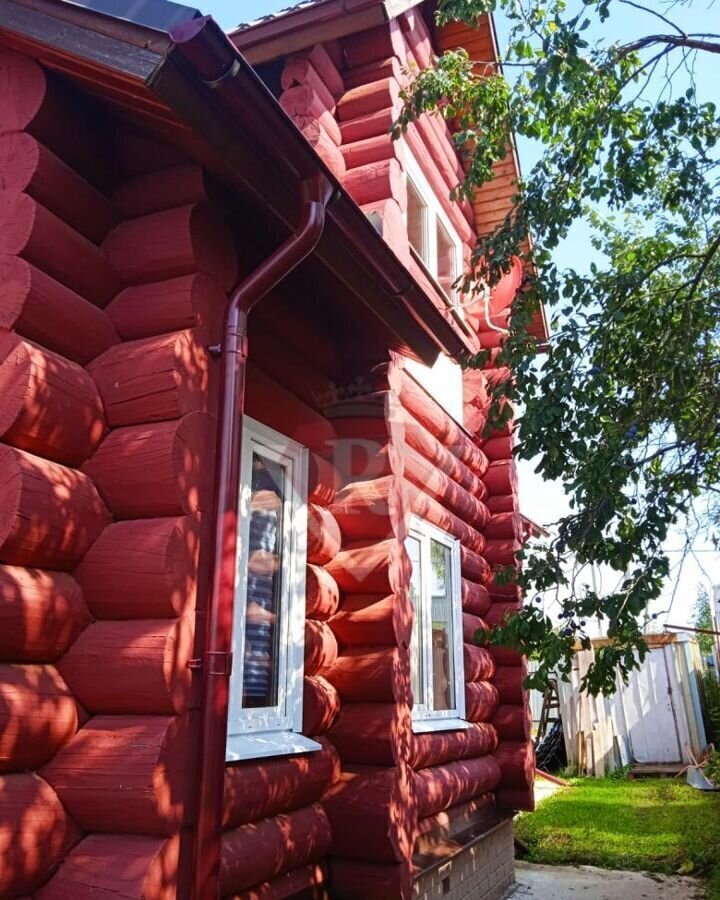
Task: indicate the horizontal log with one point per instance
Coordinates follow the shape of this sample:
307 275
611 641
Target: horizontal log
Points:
471 625
50 514
172 305
517 763
475 598
433 831
501 477
376 803
323 535
327 69
435 748
301 71
32 100
498 448
258 789
357 880
364 567
322 595
502 551
384 68
430 414
372 619
504 526
132 667
151 192
48 405
475 401
513 722
419 438
255 853
474 567
37 832
368 98
171 243
365 509
371 45
320 646
505 591
506 656
29 230
434 481
372 733
371 125
323 144
441 787
509 683
49 313
372 674
41 614
481 701
377 181
30 167
499 612
140 153
478 663
141 569
503 503
302 101
124 865
153 379
371 150
429 509
38 714
321 705
129 774
323 480
297 882
516 798
159 469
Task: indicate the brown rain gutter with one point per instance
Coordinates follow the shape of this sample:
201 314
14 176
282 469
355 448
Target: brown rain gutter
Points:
315 193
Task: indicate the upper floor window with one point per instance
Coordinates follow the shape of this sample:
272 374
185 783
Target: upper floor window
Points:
430 233
265 713
438 683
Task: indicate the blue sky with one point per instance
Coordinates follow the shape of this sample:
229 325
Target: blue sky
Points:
544 501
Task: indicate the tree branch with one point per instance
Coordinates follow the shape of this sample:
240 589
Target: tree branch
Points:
673 40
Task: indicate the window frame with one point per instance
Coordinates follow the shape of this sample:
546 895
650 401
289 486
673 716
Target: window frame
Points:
424 717
270 731
432 215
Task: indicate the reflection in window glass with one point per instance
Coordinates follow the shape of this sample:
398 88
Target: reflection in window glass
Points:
264 586
416 215
446 260
417 671
442 627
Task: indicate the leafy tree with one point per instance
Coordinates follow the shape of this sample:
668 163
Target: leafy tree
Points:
623 408
703 619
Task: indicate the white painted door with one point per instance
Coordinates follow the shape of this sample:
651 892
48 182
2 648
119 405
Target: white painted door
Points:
649 708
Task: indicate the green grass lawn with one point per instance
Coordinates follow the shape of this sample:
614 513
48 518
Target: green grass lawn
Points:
653 825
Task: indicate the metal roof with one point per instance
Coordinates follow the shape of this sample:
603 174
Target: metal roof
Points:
269 17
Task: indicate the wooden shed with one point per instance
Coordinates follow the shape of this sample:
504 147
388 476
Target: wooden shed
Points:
248 515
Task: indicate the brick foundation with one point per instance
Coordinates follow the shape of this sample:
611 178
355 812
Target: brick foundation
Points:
483 870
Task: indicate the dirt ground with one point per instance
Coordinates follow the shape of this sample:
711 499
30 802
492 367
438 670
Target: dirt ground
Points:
589 883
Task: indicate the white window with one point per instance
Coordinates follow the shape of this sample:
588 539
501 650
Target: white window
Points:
438 683
266 685
430 233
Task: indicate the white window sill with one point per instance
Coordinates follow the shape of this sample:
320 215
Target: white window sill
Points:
270 743
423 726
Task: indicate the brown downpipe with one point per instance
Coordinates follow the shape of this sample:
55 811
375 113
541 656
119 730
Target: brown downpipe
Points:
216 662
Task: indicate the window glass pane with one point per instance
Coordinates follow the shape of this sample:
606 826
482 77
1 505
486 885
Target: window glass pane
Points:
447 259
416 217
413 547
264 585
442 629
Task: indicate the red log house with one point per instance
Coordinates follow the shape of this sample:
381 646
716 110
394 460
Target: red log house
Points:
248 517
